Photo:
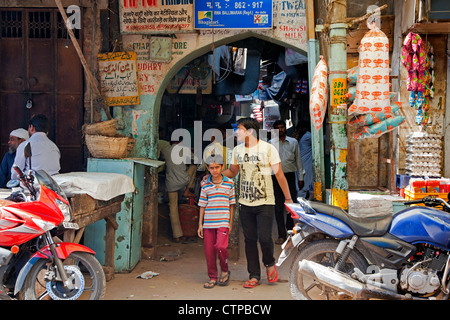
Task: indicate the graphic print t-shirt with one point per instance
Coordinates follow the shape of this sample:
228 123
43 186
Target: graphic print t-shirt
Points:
255 172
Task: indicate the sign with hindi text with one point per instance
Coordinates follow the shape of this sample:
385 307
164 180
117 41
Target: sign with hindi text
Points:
156 16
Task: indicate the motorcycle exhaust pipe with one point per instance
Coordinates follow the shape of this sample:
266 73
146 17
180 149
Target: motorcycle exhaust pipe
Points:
343 283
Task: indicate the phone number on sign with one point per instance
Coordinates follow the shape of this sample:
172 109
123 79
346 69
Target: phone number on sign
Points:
244 5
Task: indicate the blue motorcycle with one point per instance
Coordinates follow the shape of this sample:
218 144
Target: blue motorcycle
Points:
403 256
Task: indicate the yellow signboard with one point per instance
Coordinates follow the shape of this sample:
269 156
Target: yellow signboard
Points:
339 90
118 78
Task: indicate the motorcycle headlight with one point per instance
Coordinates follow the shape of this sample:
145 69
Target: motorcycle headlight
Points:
65 209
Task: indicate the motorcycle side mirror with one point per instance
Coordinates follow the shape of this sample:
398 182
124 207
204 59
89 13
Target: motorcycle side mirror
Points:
12 184
27 150
27 153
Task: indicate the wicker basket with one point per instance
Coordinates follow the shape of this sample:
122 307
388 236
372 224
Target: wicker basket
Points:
130 147
107 147
104 128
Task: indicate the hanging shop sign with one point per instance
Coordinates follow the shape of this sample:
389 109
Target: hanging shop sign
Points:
233 14
118 78
156 16
289 22
188 81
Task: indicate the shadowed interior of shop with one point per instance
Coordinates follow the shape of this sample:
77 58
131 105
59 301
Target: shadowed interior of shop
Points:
247 78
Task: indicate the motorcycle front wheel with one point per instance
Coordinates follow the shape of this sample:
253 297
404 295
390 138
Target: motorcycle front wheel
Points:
83 270
323 252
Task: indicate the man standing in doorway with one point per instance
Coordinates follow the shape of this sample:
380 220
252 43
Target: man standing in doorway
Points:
291 163
255 160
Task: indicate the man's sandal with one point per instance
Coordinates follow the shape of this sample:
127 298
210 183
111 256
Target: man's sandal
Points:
272 277
251 284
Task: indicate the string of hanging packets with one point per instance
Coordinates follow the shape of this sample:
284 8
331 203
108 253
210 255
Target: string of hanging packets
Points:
418 58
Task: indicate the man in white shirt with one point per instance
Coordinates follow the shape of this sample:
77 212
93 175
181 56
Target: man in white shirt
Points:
45 155
291 163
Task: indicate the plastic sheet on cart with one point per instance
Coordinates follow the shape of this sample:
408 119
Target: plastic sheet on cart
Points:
98 185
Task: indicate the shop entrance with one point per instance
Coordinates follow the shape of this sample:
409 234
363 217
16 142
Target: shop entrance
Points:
249 74
252 78
41 73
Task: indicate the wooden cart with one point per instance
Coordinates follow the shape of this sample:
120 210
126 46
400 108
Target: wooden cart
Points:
87 210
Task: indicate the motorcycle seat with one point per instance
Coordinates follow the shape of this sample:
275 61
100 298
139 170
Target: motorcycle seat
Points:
363 227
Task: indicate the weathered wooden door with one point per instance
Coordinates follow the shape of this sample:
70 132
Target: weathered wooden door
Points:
41 73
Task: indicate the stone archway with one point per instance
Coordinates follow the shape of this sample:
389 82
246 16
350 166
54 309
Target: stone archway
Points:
201 50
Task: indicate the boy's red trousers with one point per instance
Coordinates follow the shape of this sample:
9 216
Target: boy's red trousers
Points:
216 243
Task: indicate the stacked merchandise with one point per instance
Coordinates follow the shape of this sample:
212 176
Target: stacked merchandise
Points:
423 154
374 124
103 141
418 58
418 188
372 107
301 86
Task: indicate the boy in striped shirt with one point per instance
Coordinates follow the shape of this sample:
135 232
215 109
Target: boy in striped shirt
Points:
216 204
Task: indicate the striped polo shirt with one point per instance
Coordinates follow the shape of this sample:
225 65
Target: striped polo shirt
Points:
217 201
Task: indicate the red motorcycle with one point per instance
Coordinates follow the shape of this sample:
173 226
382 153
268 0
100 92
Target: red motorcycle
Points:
34 266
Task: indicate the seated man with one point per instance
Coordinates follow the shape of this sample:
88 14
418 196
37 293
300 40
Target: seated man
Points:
45 155
16 137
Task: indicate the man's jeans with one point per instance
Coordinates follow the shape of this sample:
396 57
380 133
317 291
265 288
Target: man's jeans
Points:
280 213
257 226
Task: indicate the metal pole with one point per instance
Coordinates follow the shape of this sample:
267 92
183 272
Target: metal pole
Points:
337 66
316 136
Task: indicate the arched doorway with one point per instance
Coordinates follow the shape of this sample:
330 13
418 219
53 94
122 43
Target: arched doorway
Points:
244 65
268 48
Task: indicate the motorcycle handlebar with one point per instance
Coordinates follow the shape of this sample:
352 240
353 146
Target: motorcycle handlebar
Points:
17 169
414 201
27 182
430 201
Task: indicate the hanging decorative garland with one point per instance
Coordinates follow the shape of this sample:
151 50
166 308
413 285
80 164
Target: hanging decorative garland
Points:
417 57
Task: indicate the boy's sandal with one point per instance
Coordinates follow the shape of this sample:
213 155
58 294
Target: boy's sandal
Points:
272 277
210 284
223 282
251 284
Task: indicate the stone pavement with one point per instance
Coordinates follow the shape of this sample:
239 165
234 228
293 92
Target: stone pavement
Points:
182 273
